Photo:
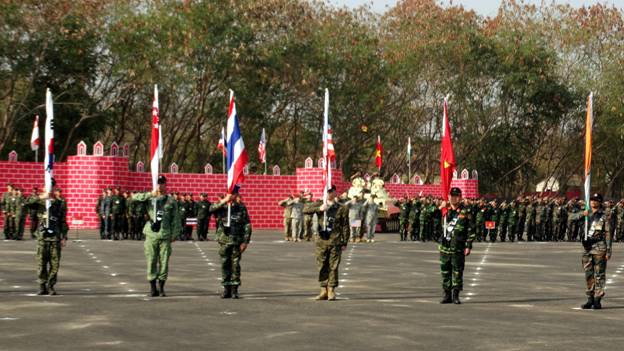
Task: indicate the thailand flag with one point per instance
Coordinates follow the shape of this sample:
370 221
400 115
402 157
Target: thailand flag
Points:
48 163
34 137
236 154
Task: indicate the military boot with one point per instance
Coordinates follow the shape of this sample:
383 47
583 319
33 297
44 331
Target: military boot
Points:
447 297
331 294
161 285
43 289
456 297
322 295
235 291
227 292
51 289
589 304
153 288
597 305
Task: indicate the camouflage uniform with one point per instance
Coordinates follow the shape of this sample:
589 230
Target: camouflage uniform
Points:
596 249
404 210
426 222
20 217
482 210
203 219
287 204
157 245
559 222
453 240
529 222
333 236
573 221
512 219
494 216
230 239
117 211
308 218
34 207
6 207
414 224
49 236
503 222
519 229
619 221
540 221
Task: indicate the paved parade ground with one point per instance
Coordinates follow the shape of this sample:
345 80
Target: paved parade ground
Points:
517 297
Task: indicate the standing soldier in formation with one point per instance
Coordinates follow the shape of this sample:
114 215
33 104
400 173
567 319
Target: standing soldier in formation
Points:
559 220
333 238
125 216
296 217
20 214
370 218
117 212
540 220
4 205
203 217
597 251
522 204
58 194
512 221
455 237
414 217
308 216
503 222
404 209
287 205
529 223
494 216
182 213
480 220
160 231
33 205
131 206
51 237
426 220
189 212
573 209
356 208
233 236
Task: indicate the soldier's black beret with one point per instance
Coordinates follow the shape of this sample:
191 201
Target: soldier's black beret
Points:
203 194
596 197
162 179
456 191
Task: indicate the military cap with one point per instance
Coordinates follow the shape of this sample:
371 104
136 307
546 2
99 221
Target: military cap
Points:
596 197
456 191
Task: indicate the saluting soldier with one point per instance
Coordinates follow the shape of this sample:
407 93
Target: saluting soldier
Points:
160 230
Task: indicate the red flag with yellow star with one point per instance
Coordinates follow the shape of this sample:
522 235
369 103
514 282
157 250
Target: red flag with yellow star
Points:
378 153
447 156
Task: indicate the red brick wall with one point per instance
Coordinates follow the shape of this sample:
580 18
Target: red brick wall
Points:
82 179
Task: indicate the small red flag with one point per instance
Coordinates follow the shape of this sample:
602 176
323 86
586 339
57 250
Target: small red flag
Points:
378 153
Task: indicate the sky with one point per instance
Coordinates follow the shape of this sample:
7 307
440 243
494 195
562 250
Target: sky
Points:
482 7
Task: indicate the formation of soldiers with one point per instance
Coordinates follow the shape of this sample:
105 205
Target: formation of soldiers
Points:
16 207
121 217
529 218
301 217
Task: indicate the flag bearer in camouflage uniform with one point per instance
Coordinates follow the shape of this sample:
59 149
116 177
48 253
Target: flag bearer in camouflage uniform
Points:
287 205
203 217
160 230
333 223
597 251
404 210
455 237
51 237
233 236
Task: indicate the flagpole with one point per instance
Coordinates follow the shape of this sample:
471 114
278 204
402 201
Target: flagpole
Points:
588 156
409 161
223 159
36 156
